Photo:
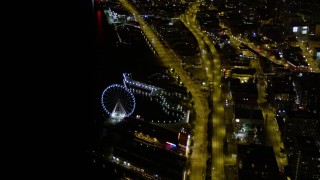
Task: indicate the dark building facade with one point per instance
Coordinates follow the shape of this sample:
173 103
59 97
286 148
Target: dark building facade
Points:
306 159
308 91
299 123
257 162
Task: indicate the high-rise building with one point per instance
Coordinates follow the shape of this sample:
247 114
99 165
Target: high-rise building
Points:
299 123
306 159
308 94
257 162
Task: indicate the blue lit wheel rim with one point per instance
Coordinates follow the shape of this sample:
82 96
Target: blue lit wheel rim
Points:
116 98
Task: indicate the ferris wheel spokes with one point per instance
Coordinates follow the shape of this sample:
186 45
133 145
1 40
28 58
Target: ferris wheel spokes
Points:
118 112
118 101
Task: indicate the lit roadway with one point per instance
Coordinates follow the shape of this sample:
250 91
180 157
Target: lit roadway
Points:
312 64
198 157
271 125
214 75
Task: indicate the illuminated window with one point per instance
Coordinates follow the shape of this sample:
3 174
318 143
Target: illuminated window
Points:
295 29
305 27
318 56
304 32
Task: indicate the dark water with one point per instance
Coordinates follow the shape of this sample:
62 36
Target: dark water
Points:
110 62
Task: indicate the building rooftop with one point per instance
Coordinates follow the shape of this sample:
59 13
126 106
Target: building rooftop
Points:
237 87
257 162
308 147
244 113
135 125
302 115
280 85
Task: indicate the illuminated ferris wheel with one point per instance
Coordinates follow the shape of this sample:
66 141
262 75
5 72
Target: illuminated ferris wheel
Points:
118 101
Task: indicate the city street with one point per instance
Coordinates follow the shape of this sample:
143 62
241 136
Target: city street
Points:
198 157
214 76
272 135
